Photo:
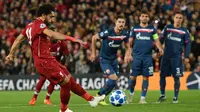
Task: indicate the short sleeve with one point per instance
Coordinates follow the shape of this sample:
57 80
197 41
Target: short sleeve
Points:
24 32
103 34
41 28
163 33
132 33
127 37
154 34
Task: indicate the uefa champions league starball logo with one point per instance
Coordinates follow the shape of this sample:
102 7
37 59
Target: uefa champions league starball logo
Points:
122 82
193 81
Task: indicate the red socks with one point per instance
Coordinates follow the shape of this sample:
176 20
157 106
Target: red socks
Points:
77 89
65 95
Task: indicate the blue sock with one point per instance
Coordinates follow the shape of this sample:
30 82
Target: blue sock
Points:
108 87
176 86
132 85
145 85
109 90
162 85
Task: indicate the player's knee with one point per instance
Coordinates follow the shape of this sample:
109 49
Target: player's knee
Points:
133 78
42 79
132 83
111 82
64 81
176 79
145 78
113 77
52 84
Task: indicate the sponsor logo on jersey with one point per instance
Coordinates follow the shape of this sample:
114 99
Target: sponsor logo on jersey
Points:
169 36
111 44
139 37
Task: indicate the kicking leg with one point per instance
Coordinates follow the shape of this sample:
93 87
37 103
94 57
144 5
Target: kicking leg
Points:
77 89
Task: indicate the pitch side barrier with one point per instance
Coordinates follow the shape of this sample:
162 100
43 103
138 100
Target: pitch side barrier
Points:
96 81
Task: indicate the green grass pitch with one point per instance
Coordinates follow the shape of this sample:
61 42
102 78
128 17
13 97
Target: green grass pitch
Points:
17 101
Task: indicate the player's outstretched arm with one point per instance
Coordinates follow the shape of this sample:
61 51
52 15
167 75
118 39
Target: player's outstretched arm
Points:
14 47
60 36
94 40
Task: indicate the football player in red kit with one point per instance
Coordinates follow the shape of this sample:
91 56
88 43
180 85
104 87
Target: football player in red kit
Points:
39 35
58 50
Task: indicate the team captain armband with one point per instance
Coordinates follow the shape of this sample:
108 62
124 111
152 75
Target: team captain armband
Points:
70 38
155 36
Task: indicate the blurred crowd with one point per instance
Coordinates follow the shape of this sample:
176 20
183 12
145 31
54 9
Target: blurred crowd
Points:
82 19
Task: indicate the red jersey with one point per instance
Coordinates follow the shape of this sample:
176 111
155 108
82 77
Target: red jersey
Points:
44 62
39 42
59 49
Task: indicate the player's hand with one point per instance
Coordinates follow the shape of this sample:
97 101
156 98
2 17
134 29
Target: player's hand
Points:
128 59
186 60
161 52
81 42
92 57
9 58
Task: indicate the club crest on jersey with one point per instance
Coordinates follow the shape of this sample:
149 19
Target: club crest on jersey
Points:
107 71
101 34
42 25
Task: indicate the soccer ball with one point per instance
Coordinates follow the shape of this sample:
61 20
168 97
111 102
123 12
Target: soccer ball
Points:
117 98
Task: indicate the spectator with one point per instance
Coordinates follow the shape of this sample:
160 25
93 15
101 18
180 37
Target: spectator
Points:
83 18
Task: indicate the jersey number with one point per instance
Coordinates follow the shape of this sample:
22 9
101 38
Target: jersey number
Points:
151 70
28 34
178 72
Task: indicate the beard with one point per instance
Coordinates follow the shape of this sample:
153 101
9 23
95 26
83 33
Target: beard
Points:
178 24
120 28
46 22
144 22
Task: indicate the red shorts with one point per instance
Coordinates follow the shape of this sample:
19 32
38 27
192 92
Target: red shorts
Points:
52 70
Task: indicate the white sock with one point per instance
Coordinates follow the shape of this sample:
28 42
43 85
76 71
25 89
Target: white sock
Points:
142 98
175 97
132 93
36 92
48 94
162 94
